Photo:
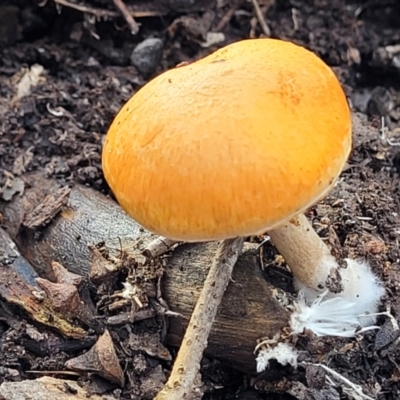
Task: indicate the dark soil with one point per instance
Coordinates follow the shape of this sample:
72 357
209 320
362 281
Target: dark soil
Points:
59 126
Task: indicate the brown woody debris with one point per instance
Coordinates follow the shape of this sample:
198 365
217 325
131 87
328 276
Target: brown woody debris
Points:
102 271
47 388
45 212
18 287
66 300
64 276
149 343
63 297
101 359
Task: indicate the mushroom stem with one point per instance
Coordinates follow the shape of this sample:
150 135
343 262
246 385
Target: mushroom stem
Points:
181 383
304 251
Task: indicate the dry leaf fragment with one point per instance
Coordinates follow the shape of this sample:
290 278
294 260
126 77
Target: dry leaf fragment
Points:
101 359
29 81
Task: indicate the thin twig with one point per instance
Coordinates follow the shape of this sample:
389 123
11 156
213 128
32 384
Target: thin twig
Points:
101 13
128 17
225 19
261 19
352 386
384 130
159 246
181 383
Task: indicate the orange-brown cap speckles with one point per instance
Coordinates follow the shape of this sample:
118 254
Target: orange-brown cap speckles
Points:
230 145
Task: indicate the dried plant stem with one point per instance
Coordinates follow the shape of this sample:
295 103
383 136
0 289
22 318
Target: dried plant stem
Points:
103 13
133 25
261 19
352 388
160 245
181 382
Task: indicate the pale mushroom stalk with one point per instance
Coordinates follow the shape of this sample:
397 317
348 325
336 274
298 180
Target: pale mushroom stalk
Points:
308 256
180 384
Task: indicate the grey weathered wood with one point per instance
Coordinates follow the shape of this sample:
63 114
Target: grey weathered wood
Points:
89 217
12 259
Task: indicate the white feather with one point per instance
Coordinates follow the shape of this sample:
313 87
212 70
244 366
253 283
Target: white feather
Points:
282 352
362 287
329 314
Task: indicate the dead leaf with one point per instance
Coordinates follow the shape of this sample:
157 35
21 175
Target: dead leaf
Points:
28 81
13 187
101 359
22 162
213 38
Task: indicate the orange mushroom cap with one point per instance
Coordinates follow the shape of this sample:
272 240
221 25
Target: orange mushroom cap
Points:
231 145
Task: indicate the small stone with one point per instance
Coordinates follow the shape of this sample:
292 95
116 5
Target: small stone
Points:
146 56
380 102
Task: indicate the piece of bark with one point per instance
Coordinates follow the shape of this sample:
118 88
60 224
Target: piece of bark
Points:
125 317
65 300
101 359
65 276
102 271
45 212
248 310
18 287
39 341
47 388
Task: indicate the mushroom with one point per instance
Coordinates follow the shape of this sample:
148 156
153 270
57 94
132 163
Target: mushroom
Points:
236 144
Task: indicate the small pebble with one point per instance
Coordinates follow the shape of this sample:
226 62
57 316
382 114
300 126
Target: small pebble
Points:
380 102
146 56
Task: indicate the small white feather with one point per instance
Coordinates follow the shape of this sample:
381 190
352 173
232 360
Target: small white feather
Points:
362 287
330 317
329 314
282 352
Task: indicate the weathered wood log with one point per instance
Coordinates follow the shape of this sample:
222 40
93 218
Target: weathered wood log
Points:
48 388
248 310
13 261
87 218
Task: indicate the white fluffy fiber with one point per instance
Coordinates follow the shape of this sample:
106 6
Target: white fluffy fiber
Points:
343 314
282 352
328 314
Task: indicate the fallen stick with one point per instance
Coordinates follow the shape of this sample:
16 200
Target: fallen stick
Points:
187 364
248 310
133 25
